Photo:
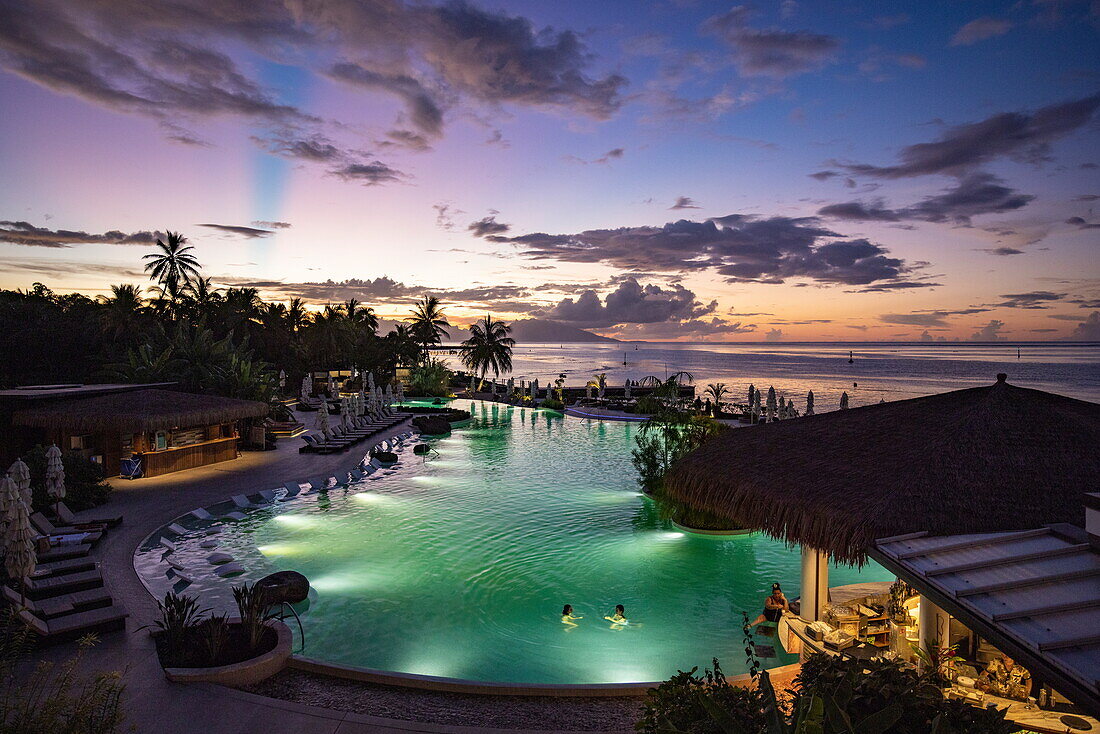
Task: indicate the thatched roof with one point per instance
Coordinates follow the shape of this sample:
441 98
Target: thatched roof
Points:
983 459
138 410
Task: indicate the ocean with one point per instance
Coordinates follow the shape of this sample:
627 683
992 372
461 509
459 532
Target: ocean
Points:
877 371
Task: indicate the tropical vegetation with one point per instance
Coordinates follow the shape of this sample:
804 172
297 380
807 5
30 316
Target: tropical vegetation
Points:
488 348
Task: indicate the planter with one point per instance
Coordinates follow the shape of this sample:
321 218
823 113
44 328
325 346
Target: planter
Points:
246 672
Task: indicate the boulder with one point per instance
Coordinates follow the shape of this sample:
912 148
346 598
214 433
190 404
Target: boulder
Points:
421 448
283 586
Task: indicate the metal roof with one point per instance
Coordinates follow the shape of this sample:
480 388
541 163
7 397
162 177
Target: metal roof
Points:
1033 593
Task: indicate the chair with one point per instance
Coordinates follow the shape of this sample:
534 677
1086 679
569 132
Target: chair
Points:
103 619
242 502
58 568
60 605
63 552
268 495
293 489
355 475
66 516
172 547
64 584
44 526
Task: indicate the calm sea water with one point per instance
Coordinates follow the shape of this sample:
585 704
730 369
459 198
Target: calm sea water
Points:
877 372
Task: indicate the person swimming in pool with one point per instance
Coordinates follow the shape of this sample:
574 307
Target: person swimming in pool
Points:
774 606
567 616
618 619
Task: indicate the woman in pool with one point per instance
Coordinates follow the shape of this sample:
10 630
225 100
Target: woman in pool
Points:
567 616
618 619
774 606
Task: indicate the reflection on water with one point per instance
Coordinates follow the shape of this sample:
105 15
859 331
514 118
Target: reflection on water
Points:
459 566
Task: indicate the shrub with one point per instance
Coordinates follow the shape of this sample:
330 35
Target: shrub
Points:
664 439
54 698
254 611
553 404
685 703
84 485
179 618
649 405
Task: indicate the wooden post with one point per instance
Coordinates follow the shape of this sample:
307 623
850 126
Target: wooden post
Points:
815 583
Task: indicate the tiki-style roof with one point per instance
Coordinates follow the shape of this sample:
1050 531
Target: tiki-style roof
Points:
978 460
137 410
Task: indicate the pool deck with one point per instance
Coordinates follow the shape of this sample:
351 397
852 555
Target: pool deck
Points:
152 703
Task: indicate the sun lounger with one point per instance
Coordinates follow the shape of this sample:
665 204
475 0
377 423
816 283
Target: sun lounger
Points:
63 584
322 484
241 501
103 619
79 601
355 475
293 489
202 514
179 570
177 528
323 447
172 547
66 516
268 495
58 568
62 552
44 526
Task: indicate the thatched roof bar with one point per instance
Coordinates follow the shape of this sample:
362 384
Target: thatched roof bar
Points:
137 411
976 460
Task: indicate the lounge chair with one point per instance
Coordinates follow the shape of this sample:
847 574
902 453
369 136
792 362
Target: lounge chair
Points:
66 516
179 570
243 502
63 584
313 444
58 568
177 528
322 484
268 495
356 476
202 514
103 619
63 552
293 489
44 526
172 547
79 601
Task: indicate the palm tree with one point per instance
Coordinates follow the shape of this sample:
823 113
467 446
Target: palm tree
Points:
429 323
489 347
122 309
296 314
360 315
716 390
173 266
600 383
201 298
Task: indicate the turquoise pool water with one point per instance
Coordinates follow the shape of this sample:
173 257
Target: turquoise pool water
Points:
458 564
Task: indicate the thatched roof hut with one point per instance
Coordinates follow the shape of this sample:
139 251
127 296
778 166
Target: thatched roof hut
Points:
137 411
983 459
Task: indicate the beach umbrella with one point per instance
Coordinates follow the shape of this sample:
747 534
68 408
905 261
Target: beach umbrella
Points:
377 398
752 395
331 386
626 389
770 405
791 412
345 410
844 401
370 381
323 424
400 392
307 388
55 474
588 391
389 395
19 558
21 475
362 401
534 389
511 385
282 379
810 403
756 412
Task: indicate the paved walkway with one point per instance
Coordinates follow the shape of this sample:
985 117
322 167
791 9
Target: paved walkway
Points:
152 703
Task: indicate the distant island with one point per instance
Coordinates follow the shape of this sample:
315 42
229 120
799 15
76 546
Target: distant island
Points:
540 330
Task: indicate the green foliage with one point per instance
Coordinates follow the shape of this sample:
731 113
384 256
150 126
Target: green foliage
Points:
84 485
179 617
430 379
214 632
648 405
254 612
664 439
488 348
54 698
701 704
832 695
553 404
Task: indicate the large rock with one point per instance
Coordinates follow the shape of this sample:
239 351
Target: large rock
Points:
289 586
432 425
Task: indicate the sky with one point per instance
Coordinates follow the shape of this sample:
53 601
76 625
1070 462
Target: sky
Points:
646 169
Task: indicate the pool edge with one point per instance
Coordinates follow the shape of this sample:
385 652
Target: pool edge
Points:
462 685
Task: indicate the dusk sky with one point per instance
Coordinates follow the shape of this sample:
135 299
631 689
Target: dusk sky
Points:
661 169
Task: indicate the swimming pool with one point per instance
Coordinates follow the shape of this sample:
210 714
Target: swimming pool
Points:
457 564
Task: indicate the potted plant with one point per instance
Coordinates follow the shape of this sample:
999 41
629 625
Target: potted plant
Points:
196 646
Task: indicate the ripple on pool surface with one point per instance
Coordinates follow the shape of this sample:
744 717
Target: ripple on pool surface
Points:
458 566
